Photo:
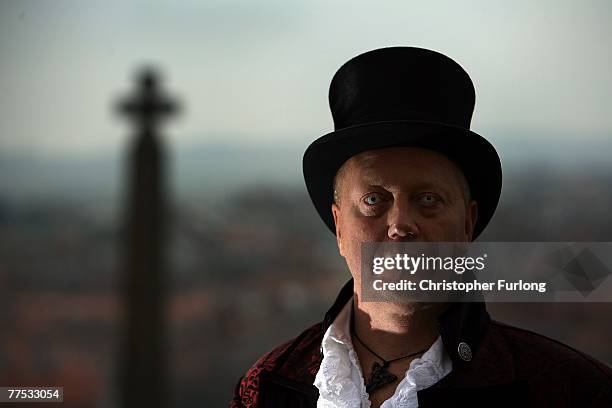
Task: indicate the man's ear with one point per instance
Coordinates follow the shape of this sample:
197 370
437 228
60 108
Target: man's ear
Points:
471 215
336 212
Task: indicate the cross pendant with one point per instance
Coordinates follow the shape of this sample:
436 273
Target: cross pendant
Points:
379 377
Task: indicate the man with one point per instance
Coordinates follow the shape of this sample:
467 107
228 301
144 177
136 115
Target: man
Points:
403 166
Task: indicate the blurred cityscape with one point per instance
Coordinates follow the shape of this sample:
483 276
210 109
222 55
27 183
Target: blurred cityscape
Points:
249 269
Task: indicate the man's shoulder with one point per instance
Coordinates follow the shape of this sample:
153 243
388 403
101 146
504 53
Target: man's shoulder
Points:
541 361
292 354
295 360
549 353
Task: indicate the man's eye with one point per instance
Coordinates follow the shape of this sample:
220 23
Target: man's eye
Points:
428 199
372 199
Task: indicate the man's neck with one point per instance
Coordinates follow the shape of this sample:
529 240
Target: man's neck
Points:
393 330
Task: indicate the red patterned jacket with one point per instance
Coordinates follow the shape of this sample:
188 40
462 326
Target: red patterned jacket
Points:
494 365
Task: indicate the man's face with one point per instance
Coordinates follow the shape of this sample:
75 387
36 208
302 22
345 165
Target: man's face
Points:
399 194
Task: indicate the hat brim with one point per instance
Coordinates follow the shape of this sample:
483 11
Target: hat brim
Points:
476 157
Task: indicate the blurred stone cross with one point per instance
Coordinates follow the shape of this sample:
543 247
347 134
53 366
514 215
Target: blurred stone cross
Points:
143 367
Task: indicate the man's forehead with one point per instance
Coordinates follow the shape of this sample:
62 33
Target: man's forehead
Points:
397 166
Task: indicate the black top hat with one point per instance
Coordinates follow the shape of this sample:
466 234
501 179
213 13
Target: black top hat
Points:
403 96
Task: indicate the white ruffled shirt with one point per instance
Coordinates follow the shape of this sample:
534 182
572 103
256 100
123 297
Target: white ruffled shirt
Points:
340 381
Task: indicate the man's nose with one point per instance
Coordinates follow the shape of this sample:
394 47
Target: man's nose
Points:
401 221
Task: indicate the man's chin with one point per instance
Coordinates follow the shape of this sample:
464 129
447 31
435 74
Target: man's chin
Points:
407 308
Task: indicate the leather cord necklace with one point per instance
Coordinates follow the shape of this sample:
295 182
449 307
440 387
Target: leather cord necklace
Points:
380 375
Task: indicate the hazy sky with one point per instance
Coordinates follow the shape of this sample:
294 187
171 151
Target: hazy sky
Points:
251 71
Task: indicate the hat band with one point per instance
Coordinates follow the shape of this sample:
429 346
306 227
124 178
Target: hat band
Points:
400 114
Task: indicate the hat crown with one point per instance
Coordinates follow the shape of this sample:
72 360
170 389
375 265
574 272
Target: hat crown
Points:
401 83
